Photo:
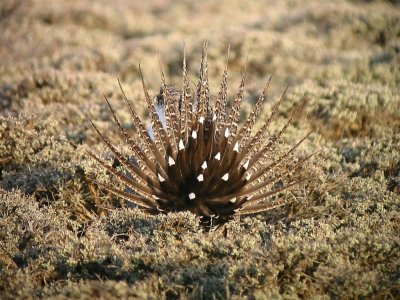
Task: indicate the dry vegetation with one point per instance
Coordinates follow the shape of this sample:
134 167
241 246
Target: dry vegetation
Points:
59 237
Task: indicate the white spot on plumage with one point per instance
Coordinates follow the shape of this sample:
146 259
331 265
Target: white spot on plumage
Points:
160 177
233 200
214 117
200 178
227 133
248 177
192 196
204 165
181 145
171 161
218 156
236 148
158 208
201 120
236 210
155 197
225 177
246 165
194 134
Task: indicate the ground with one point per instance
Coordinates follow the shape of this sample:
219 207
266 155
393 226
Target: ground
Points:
63 238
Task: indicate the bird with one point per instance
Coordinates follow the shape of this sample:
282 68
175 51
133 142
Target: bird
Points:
197 157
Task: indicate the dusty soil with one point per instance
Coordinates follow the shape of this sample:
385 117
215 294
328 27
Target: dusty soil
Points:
63 238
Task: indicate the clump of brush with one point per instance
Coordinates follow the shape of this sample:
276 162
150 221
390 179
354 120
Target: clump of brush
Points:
197 158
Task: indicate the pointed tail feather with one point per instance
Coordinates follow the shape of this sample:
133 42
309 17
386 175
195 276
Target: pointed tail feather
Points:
135 199
261 153
148 144
245 131
234 115
220 105
170 115
146 165
259 138
203 93
263 184
259 208
265 195
137 187
158 130
186 114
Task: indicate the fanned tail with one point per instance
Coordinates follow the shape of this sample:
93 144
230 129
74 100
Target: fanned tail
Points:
198 158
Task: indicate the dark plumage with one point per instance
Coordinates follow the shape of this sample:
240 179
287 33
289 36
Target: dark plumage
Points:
198 159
